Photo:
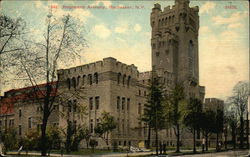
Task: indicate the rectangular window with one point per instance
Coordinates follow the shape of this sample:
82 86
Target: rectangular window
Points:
91 128
118 103
97 102
123 103
91 103
20 130
139 108
128 104
29 123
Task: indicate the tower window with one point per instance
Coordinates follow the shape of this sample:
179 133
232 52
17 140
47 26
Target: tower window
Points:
118 103
91 103
97 101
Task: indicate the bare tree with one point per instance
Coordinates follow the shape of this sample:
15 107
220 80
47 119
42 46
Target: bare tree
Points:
239 100
12 32
63 42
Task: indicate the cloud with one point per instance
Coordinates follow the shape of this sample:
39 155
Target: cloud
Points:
231 69
223 61
235 25
235 17
137 28
122 26
121 29
101 31
204 30
208 6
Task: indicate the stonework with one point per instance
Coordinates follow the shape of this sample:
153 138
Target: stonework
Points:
120 89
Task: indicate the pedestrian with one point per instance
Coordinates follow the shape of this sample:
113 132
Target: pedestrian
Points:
164 148
203 145
160 148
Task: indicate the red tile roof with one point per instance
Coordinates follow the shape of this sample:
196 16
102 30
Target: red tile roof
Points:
23 94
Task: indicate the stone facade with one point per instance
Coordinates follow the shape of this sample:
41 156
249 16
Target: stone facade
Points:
120 89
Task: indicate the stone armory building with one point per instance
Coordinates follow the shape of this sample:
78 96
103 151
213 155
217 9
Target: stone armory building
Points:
120 89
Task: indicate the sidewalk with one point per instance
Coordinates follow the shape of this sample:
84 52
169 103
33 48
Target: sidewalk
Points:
230 153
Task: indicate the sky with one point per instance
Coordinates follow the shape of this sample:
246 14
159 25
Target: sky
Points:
125 34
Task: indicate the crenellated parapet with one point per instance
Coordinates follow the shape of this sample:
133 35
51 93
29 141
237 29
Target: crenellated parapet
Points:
107 64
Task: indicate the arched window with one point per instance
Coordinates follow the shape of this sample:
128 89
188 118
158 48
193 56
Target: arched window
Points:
68 83
129 78
83 79
78 80
90 79
191 57
170 20
118 78
74 82
96 78
173 19
123 79
166 20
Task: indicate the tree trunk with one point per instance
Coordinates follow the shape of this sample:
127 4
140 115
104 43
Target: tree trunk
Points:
44 142
217 141
178 138
234 137
149 137
156 140
241 132
194 142
225 139
206 138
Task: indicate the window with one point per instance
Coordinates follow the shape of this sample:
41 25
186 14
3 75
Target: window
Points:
78 80
90 79
129 78
97 102
91 103
83 79
123 80
118 103
91 126
96 78
191 57
20 130
139 108
123 103
139 92
128 104
118 78
68 83
74 82
118 125
145 93
29 123
20 113
157 54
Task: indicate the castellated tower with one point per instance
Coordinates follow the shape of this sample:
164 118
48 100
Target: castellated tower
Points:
174 42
